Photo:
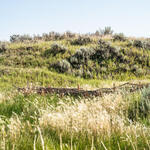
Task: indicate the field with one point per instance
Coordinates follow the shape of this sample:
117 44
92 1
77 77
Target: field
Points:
116 121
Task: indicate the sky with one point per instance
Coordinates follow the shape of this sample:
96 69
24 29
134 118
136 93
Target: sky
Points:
131 17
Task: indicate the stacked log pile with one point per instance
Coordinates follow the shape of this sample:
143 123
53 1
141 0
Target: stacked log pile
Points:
128 87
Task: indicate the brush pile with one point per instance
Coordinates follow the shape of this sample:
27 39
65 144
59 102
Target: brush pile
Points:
129 87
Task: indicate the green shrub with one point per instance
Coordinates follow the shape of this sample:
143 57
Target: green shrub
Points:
139 71
55 49
69 34
81 41
129 43
148 44
3 47
104 51
20 38
106 31
134 68
138 44
103 69
52 36
81 57
145 44
119 37
140 108
62 66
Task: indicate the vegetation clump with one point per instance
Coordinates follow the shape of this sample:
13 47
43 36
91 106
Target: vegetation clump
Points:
144 44
3 47
81 41
106 31
20 38
104 52
55 49
139 44
81 57
119 37
140 108
62 66
52 36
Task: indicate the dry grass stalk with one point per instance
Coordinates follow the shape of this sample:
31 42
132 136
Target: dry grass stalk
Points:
42 140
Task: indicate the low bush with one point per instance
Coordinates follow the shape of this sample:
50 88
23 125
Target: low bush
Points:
52 36
3 47
119 37
81 57
139 72
148 44
142 44
106 31
129 43
140 108
20 38
138 44
55 49
104 51
134 68
81 41
61 66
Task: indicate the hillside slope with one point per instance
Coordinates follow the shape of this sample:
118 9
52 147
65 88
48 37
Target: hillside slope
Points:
93 58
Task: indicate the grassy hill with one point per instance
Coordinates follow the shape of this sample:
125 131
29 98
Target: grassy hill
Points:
94 58
116 121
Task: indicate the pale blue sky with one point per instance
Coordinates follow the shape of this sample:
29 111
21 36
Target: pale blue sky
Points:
132 17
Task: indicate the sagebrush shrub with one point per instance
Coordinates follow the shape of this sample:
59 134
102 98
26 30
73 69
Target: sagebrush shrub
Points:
20 38
3 47
106 31
138 43
148 44
129 43
52 36
81 57
55 49
145 102
139 71
119 37
134 68
141 44
140 109
62 66
81 40
69 34
105 51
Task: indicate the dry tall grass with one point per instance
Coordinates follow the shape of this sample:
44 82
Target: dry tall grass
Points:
98 119
98 116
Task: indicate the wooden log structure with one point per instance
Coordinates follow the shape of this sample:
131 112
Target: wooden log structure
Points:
130 87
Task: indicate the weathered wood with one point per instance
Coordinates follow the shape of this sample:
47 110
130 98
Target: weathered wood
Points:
130 87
